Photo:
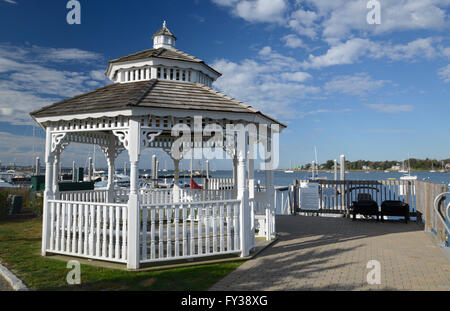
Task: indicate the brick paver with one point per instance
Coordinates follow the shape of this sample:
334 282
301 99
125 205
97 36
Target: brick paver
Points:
320 253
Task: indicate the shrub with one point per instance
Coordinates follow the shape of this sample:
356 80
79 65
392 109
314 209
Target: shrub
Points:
5 203
37 204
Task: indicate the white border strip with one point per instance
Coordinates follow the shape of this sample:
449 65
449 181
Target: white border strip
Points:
13 280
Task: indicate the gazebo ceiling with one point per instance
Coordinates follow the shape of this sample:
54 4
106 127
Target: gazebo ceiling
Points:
152 94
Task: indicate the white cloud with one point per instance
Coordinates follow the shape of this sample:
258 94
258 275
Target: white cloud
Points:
340 19
303 23
345 53
29 79
11 1
256 10
354 49
322 111
386 108
358 84
298 76
270 82
292 41
18 148
444 73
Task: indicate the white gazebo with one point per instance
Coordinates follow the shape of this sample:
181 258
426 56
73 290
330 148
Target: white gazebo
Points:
159 98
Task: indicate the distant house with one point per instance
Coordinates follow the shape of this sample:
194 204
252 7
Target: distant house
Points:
395 167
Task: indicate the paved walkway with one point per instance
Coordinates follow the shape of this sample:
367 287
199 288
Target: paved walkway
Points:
318 253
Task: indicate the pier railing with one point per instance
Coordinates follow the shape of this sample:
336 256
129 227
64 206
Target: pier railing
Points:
428 201
336 196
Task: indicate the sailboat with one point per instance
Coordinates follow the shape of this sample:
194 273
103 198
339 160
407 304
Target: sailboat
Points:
432 168
289 171
442 170
409 176
403 170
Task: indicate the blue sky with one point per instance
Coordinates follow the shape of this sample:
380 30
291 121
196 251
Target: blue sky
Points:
375 92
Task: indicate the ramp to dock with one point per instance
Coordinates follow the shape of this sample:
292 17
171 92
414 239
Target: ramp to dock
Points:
320 253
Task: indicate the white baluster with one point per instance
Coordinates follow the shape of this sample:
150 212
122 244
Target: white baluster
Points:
52 226
169 230
199 228
111 231
161 233
80 229
221 227
105 226
69 227
124 232
152 232
192 217
74 228
236 226
86 230
214 226
58 227
228 207
144 233
117 249
177 233
97 242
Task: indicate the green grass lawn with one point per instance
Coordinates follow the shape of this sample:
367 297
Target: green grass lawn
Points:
20 244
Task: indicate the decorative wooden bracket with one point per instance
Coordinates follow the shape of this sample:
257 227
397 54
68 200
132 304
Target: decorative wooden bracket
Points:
148 136
57 141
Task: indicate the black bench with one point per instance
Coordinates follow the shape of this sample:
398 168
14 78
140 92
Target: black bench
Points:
395 208
365 206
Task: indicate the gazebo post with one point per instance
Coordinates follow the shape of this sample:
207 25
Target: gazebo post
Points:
48 193
134 151
111 160
235 173
270 190
251 194
176 178
56 164
242 193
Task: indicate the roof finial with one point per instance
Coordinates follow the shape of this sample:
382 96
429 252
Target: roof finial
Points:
164 24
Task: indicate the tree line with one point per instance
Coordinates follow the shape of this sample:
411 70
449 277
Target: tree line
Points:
415 164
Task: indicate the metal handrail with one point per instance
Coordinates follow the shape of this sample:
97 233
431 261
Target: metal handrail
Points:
437 202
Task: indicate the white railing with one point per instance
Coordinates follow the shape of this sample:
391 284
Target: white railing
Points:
283 201
92 230
189 230
220 183
121 195
92 196
151 196
197 195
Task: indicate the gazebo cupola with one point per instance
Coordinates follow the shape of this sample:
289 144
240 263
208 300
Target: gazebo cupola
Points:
162 62
164 38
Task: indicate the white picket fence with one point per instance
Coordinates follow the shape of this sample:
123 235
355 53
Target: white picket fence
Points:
189 230
153 196
220 183
92 230
197 195
93 196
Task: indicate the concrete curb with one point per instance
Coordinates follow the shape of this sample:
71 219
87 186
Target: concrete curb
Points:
13 280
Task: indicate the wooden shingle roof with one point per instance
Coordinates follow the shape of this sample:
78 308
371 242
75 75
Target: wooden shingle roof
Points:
152 94
161 53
